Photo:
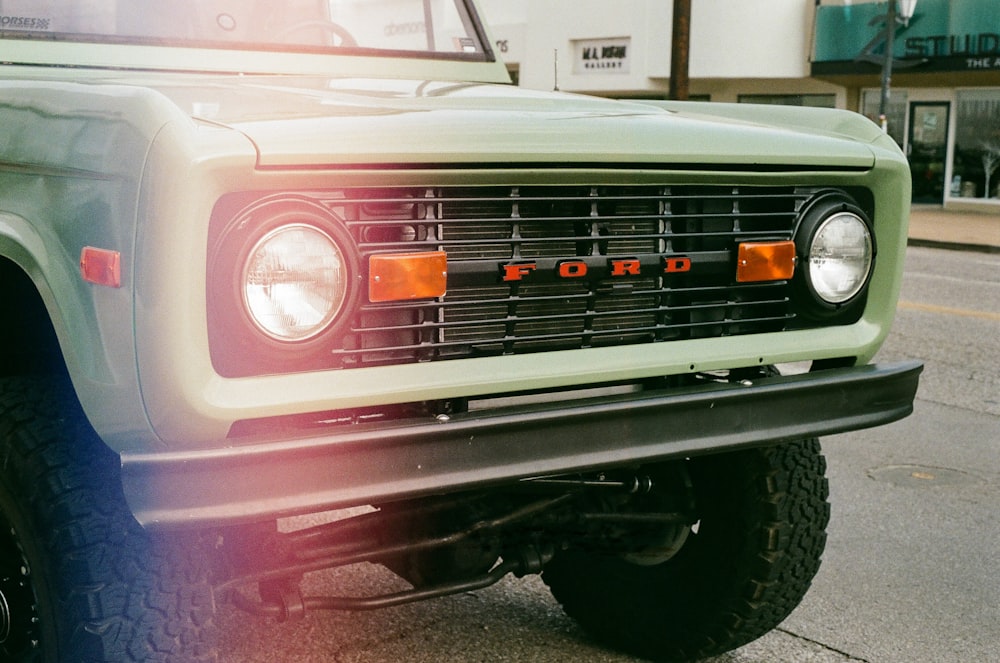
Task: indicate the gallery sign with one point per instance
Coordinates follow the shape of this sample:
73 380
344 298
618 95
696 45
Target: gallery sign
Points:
602 56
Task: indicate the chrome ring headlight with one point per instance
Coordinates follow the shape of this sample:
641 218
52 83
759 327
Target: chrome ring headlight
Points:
284 280
295 282
836 250
840 257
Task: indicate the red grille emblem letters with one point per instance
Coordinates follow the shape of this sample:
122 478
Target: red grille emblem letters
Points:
517 271
676 265
578 268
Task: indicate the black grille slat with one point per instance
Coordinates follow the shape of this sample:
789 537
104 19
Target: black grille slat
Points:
541 318
586 338
481 228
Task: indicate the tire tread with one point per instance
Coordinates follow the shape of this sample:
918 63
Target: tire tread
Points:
736 583
121 594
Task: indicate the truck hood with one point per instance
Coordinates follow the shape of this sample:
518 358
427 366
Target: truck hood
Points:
322 122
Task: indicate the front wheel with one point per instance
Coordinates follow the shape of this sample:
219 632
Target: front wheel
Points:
761 530
79 579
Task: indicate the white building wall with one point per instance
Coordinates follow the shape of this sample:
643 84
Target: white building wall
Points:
507 21
555 27
736 47
751 38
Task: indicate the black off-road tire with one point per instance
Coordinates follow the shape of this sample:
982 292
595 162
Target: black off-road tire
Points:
762 529
80 580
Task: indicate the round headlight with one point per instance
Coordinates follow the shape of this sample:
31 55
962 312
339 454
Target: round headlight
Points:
295 282
840 257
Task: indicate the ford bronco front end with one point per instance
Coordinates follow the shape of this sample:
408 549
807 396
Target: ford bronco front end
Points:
273 259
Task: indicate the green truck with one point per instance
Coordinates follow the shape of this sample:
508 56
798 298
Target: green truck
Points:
262 260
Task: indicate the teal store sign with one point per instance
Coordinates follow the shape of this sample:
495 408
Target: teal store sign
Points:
960 35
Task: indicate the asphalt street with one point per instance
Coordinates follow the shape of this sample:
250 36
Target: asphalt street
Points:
912 569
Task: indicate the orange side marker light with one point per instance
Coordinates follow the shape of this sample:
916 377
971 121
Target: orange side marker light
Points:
394 277
101 266
765 261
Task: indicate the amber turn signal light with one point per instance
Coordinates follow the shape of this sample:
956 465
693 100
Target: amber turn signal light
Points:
394 277
765 261
101 266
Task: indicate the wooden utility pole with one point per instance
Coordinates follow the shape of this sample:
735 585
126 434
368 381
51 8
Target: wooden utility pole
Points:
680 48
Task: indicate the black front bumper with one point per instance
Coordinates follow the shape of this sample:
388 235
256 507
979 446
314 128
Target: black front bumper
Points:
379 463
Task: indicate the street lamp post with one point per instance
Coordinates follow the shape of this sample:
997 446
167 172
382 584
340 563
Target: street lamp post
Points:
906 9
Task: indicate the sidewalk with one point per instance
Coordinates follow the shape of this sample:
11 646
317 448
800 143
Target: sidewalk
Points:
930 225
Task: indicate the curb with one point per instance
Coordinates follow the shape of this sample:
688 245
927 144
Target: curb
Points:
952 246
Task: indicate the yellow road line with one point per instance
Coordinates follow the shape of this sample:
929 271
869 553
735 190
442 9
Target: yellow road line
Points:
947 310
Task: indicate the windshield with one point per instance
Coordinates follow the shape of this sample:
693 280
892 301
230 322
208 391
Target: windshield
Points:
431 28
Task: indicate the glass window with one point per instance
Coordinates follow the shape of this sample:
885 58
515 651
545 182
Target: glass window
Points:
895 111
814 100
443 28
975 168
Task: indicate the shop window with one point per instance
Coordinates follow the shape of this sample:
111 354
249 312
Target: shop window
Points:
814 100
975 167
659 96
895 112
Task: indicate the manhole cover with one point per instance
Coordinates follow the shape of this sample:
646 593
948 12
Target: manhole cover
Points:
920 476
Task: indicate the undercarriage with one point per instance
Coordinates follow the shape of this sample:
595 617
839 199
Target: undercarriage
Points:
458 543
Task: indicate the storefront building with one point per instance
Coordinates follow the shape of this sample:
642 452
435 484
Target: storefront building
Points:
944 106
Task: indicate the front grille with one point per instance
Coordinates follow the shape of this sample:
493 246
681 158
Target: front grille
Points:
484 228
